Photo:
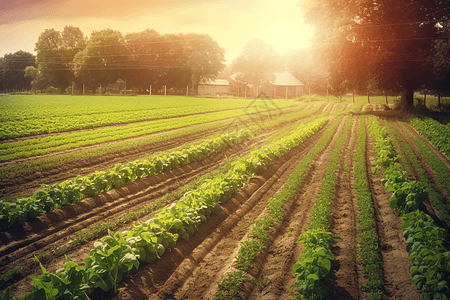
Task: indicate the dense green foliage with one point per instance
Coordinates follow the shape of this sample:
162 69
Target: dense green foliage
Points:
428 183
429 258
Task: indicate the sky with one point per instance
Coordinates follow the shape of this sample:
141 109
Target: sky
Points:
231 23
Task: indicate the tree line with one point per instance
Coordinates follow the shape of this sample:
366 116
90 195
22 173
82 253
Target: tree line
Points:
69 59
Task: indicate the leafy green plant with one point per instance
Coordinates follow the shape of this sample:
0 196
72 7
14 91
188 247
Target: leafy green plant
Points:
229 287
111 260
429 258
314 265
70 282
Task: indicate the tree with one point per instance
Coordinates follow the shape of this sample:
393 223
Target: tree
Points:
55 55
389 40
144 49
204 58
257 63
12 71
175 60
103 59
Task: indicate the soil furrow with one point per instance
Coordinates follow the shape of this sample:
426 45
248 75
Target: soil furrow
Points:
345 280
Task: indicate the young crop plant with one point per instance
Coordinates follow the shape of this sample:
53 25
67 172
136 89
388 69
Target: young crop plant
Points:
407 195
45 145
31 115
314 264
367 239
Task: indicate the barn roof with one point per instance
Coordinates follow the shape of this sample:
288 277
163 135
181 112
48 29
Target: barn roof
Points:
286 79
215 82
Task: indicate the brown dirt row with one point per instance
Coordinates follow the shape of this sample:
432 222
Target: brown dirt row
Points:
193 269
392 248
282 252
346 278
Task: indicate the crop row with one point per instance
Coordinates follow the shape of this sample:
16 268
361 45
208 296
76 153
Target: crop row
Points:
24 116
50 197
438 201
435 132
121 252
367 238
313 266
263 226
424 239
19 107
41 146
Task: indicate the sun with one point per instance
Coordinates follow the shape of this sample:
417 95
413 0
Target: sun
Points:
288 35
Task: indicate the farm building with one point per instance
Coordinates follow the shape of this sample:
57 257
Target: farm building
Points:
217 87
284 86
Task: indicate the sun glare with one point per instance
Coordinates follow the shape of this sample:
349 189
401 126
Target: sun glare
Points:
285 36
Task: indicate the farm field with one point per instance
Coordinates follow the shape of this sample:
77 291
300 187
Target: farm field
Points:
225 199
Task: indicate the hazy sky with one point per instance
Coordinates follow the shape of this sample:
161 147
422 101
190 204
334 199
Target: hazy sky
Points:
231 23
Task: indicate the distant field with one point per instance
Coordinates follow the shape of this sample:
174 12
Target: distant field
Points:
25 115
